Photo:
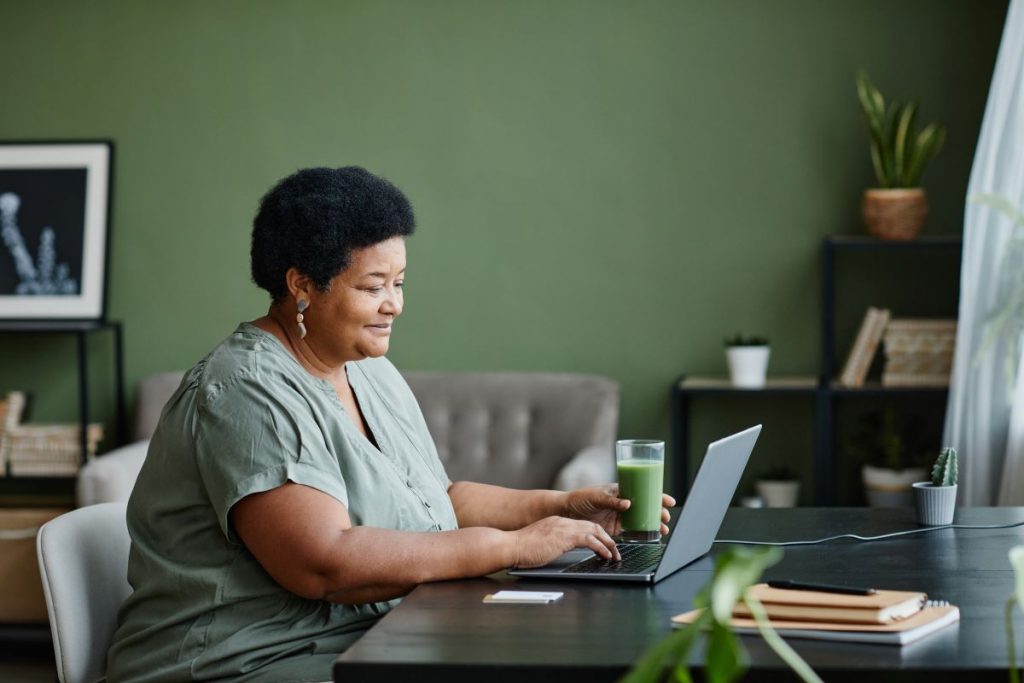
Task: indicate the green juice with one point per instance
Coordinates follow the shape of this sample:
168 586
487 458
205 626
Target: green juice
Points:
640 481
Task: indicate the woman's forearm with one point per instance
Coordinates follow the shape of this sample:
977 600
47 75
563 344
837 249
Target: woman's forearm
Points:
305 540
501 508
369 564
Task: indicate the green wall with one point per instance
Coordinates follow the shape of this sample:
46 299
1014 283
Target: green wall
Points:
605 187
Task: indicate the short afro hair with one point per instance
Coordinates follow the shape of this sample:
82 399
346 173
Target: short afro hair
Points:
314 218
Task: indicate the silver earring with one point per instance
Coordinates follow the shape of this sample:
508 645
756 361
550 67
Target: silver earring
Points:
303 305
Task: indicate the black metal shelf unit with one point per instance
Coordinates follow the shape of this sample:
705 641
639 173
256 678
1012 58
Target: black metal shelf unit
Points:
81 330
824 389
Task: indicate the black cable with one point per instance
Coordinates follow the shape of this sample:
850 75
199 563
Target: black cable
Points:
857 537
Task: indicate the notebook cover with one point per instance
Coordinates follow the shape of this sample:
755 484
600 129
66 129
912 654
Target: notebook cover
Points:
925 622
785 596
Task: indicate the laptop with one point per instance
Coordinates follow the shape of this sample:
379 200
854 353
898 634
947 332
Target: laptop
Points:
691 538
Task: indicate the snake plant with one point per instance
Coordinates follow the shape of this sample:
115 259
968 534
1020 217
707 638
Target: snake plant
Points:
899 151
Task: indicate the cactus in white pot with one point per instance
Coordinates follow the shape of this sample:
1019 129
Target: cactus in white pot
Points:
945 471
936 499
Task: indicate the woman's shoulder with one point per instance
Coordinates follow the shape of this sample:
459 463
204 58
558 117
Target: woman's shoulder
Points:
247 356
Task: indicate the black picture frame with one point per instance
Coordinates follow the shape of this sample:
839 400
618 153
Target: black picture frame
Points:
55 199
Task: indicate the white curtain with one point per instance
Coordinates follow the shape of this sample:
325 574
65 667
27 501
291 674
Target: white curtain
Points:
985 414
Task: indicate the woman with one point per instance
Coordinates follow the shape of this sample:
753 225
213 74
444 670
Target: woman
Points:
291 492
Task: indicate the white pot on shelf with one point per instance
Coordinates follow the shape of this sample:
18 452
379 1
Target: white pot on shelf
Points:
748 365
887 488
778 493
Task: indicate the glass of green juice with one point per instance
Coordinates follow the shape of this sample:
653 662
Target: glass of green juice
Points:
640 464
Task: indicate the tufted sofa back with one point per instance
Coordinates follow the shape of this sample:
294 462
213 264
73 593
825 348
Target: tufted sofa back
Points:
512 429
517 429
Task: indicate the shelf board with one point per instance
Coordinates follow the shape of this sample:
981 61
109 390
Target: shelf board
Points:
868 243
29 326
37 492
876 389
800 385
722 385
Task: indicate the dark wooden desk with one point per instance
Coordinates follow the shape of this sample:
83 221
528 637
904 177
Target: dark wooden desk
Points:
443 632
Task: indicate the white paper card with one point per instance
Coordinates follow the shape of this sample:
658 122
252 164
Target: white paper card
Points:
528 597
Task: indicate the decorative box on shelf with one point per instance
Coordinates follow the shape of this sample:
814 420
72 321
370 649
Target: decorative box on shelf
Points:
41 450
918 352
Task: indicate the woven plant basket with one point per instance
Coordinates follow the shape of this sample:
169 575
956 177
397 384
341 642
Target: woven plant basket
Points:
896 214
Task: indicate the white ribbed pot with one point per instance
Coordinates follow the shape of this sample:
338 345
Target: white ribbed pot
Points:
778 493
886 488
935 504
748 365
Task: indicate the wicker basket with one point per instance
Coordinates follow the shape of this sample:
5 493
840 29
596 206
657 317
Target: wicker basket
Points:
43 450
896 214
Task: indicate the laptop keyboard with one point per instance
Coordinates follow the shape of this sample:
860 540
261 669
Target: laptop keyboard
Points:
636 559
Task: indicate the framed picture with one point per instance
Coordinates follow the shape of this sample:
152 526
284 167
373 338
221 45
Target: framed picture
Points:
54 216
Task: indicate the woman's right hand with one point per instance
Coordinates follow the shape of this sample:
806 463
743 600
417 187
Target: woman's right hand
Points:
545 540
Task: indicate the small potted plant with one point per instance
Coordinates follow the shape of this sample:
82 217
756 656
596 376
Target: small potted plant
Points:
748 361
896 209
778 487
936 499
890 450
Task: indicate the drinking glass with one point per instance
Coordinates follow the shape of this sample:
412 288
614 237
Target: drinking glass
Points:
640 465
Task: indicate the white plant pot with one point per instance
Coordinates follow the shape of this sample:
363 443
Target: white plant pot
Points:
935 504
748 365
887 488
778 494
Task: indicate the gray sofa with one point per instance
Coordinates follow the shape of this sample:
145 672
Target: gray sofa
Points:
522 430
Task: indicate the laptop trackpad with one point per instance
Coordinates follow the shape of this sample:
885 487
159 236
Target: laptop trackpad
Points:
569 559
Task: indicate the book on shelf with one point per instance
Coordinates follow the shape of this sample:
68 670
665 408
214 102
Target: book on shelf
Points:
923 325
885 616
925 336
865 344
919 364
913 628
911 379
880 607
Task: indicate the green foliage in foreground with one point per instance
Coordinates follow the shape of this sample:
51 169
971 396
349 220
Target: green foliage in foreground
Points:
735 571
1017 561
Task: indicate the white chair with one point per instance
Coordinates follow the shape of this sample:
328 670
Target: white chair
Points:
83 564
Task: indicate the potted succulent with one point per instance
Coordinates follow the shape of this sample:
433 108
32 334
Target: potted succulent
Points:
890 453
748 360
896 209
778 487
936 499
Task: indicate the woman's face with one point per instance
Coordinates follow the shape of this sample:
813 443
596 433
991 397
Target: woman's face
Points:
353 320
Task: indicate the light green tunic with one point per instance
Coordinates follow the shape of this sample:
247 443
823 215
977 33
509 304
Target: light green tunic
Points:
247 419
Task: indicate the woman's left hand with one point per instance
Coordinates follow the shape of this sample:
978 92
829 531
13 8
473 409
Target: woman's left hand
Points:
602 504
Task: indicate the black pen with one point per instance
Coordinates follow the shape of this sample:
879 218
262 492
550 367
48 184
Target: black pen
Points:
821 587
